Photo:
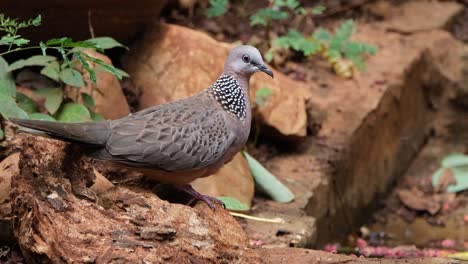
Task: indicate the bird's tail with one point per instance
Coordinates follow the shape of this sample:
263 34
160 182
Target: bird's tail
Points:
95 133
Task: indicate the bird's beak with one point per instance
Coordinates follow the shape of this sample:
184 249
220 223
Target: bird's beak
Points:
265 69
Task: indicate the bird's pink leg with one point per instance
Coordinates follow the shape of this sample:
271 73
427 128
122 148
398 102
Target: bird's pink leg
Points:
210 201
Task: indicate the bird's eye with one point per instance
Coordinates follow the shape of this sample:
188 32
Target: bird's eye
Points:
246 58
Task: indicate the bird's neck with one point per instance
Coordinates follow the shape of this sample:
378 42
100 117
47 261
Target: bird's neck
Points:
232 94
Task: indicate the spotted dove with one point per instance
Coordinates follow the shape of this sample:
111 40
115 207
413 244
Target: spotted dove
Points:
179 141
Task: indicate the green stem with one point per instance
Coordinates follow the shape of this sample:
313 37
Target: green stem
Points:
26 48
19 49
11 44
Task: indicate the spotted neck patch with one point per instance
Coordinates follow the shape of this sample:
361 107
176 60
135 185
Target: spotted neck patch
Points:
227 91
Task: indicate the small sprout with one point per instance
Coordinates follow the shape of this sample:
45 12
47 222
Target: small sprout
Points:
217 8
318 10
296 41
262 95
344 55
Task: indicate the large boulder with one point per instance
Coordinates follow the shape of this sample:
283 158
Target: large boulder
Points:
172 62
416 16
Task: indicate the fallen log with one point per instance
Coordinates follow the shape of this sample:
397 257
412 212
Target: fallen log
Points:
127 224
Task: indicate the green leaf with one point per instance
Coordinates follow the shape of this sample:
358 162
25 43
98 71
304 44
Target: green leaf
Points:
358 62
233 204
52 70
85 64
217 8
295 40
54 98
8 108
264 92
351 49
71 77
31 22
342 35
7 40
267 182
458 166
455 160
7 83
258 20
459 173
269 55
107 67
13 40
263 16
73 112
20 41
96 117
2 134
65 42
291 4
122 72
37 60
36 21
334 54
262 95
40 116
26 103
88 100
318 10
321 35
106 42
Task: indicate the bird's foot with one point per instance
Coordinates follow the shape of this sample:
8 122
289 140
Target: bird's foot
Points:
210 201
84 192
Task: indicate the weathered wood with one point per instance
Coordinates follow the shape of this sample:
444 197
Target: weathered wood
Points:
127 225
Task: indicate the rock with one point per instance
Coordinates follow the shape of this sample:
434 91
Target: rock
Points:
8 168
128 225
233 180
120 19
371 129
415 16
108 95
416 200
451 61
172 62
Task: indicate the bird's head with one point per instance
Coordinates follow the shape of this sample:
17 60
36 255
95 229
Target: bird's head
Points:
244 61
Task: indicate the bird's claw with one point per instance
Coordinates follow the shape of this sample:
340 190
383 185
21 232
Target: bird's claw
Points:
210 201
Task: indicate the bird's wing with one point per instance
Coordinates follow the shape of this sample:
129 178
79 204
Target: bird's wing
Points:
181 136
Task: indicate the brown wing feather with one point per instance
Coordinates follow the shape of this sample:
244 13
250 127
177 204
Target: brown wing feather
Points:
183 135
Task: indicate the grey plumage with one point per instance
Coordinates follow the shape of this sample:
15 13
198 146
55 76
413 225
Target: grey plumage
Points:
197 134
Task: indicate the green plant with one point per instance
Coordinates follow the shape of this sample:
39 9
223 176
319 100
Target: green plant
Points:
62 70
343 54
337 48
339 45
276 10
262 95
452 174
217 8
